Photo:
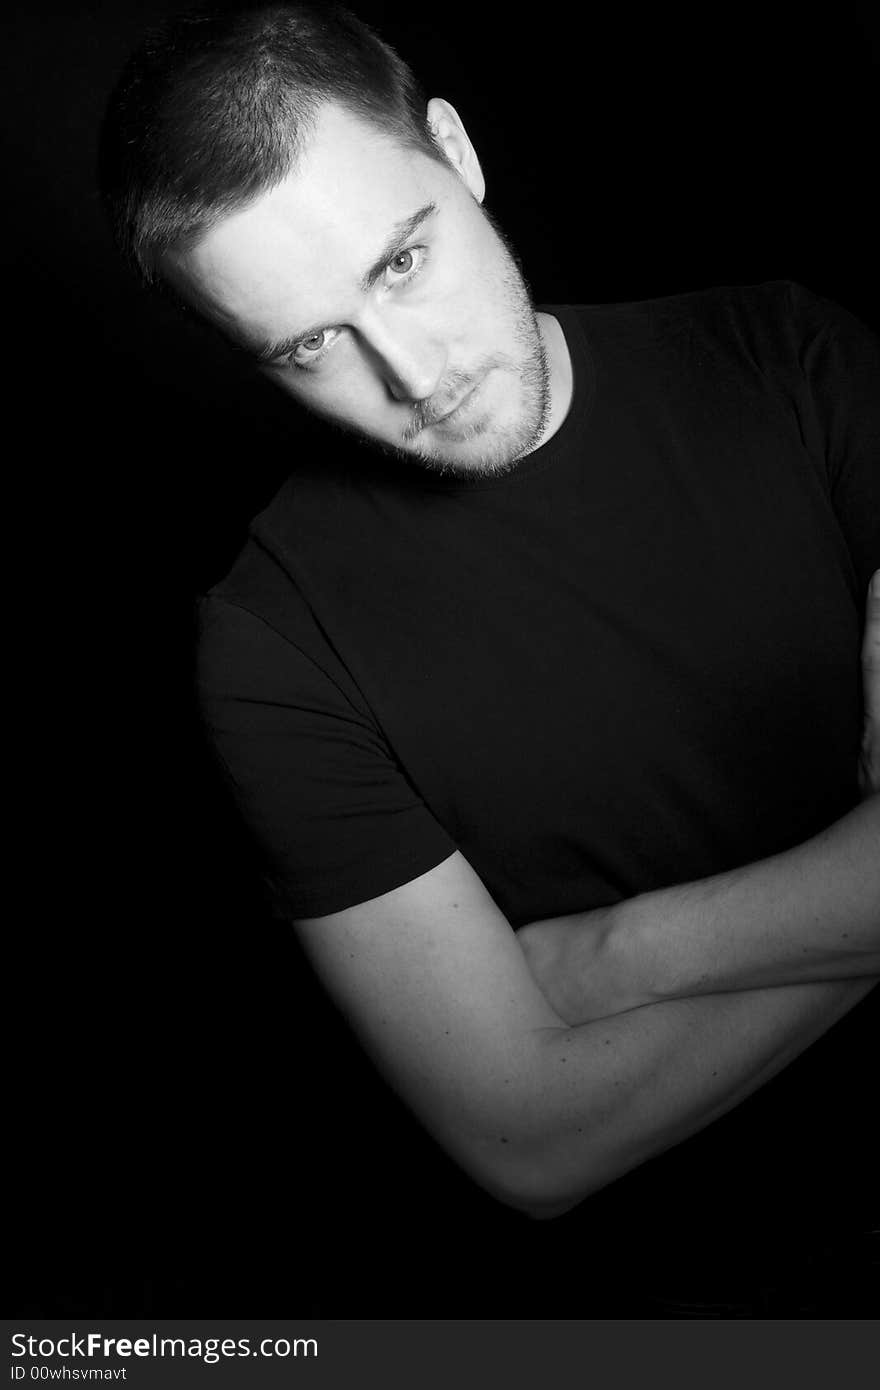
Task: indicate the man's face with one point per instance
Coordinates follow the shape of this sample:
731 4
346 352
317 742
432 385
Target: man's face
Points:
376 291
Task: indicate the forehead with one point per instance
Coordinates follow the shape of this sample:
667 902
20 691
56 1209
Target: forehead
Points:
300 248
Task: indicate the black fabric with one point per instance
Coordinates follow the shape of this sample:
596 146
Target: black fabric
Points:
632 662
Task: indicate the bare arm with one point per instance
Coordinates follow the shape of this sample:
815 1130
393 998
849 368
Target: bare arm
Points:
810 914
433 981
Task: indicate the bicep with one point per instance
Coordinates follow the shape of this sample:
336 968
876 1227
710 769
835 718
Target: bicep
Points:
431 979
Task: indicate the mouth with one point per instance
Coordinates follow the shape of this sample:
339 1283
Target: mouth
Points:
462 405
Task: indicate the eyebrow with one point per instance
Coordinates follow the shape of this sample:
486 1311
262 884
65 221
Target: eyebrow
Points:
400 234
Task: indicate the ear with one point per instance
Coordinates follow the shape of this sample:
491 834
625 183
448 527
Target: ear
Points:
452 137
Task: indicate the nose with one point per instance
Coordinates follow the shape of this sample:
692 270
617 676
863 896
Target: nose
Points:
410 359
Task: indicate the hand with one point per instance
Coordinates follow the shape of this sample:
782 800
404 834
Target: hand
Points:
869 758
576 968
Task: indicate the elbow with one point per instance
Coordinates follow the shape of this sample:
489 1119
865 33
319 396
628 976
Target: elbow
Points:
537 1162
539 1202
551 1210
545 1168
531 1183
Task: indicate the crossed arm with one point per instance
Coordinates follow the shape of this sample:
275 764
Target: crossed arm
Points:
810 914
542 1109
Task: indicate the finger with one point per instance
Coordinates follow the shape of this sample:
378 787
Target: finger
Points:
871 651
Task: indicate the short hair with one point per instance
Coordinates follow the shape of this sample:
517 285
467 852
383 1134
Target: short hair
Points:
214 108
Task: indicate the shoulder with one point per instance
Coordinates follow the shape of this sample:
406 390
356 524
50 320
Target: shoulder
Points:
259 620
785 309
681 321
779 327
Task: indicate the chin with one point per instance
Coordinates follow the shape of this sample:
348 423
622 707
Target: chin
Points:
484 457
484 446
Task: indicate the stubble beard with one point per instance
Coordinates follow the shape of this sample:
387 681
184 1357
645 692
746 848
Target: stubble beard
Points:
501 448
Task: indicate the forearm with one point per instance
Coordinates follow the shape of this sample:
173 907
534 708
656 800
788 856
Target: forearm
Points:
810 914
626 1082
619 1090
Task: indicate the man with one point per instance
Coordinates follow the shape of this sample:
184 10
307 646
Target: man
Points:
574 619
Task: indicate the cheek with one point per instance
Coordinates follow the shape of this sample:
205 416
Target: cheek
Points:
348 389
350 393
481 301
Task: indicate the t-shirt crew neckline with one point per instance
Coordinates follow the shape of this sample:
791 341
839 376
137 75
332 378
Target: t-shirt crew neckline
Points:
542 458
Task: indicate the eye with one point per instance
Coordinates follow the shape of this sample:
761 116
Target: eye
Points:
313 343
402 268
309 351
405 265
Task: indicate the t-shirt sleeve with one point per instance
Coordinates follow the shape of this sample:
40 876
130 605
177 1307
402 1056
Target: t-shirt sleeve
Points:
839 359
333 817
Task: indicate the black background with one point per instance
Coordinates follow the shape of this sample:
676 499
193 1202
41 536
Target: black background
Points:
192 1133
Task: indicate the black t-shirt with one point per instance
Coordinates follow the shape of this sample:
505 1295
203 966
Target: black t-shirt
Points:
631 662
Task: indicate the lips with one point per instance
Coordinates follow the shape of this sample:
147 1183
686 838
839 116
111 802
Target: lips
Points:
460 404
